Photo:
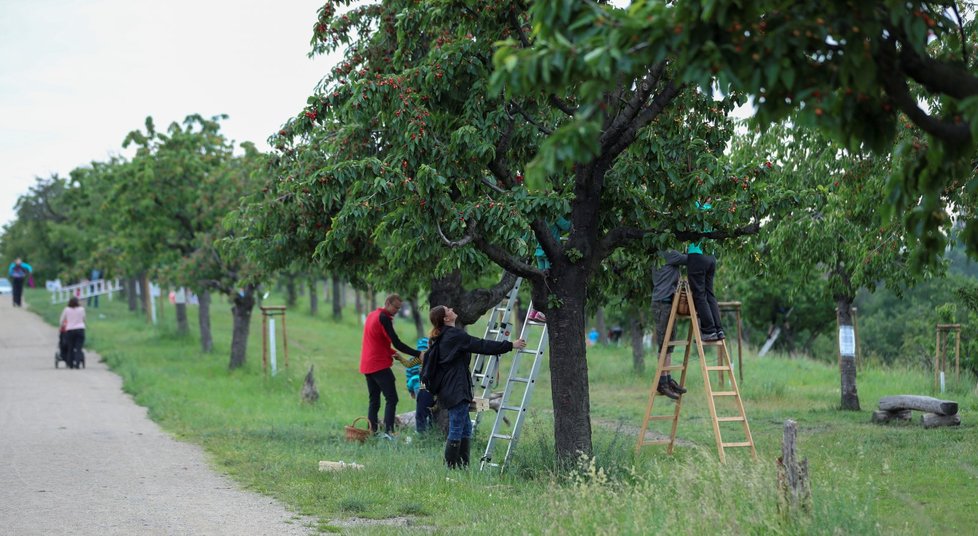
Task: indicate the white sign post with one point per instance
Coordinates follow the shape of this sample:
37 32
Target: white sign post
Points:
271 342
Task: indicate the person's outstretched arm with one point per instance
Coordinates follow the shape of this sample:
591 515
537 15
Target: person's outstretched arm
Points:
389 328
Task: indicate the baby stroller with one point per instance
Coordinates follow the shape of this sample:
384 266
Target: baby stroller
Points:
62 352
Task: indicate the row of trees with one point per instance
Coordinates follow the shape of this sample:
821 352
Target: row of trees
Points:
441 149
433 157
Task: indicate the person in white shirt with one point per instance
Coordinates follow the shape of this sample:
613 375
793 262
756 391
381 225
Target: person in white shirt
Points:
73 321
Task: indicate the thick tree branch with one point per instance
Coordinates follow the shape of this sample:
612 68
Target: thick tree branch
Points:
503 258
548 242
453 243
498 166
493 186
896 87
643 90
519 109
621 235
937 76
562 106
662 99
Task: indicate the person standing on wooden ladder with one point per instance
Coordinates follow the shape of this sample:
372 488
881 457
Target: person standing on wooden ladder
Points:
664 281
701 269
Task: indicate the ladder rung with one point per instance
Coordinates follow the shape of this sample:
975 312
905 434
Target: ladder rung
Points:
682 342
503 436
722 367
673 367
712 343
520 380
730 419
511 408
661 417
741 444
725 393
656 442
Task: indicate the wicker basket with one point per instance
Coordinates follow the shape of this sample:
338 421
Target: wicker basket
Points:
357 434
683 307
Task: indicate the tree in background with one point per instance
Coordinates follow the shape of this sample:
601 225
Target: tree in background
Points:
838 233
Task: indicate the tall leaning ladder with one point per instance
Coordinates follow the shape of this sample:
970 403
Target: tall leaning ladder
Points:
723 368
485 368
522 378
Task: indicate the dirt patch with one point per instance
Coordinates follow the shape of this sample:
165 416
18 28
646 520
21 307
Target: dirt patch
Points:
632 430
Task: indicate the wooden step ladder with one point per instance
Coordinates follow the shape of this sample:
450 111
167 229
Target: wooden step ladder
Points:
723 368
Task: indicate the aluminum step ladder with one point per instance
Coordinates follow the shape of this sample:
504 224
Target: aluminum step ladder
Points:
485 368
728 397
517 395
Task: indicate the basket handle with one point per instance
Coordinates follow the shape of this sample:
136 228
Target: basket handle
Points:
358 419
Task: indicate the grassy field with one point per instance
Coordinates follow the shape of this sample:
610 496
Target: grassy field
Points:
866 478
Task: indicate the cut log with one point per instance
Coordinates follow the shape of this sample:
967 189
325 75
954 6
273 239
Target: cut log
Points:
903 415
932 420
919 403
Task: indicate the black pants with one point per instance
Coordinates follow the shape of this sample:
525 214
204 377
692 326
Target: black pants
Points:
18 283
701 270
75 341
422 414
379 382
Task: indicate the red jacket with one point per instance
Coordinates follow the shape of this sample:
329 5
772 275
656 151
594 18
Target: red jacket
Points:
379 340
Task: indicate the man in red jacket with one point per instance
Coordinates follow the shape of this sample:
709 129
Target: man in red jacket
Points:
376 358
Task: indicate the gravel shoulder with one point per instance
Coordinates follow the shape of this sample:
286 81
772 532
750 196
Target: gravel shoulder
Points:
78 456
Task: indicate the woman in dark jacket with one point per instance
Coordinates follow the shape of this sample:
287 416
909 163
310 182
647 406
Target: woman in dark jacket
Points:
450 380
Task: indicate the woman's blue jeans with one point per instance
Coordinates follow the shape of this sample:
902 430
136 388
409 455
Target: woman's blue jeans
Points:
459 423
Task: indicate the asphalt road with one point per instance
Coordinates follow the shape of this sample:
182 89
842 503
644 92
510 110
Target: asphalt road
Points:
79 457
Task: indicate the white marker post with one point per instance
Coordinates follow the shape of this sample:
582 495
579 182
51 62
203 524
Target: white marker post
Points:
271 342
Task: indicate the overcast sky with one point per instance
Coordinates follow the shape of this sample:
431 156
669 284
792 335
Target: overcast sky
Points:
77 75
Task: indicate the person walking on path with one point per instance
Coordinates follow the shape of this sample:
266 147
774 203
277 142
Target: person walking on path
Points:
80 457
446 373
19 271
377 356
664 281
73 322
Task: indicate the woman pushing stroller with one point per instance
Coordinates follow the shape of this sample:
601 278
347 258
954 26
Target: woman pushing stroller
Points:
73 323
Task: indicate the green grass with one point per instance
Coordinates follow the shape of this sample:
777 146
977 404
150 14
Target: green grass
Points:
866 478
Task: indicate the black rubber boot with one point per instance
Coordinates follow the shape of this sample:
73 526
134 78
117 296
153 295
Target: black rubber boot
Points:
452 456
465 447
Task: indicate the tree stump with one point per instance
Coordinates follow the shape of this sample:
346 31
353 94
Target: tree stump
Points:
933 420
902 415
309 392
795 491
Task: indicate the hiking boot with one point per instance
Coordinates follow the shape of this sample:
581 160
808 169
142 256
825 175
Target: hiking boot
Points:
453 457
720 335
676 387
710 337
665 390
464 449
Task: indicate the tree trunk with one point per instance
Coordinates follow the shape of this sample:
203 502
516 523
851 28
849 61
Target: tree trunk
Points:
358 303
291 295
147 303
183 328
419 324
919 403
602 328
337 299
204 321
313 296
131 294
373 299
847 364
638 346
568 359
244 303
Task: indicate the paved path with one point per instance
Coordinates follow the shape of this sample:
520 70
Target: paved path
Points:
79 457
